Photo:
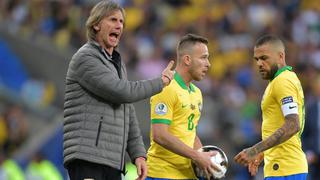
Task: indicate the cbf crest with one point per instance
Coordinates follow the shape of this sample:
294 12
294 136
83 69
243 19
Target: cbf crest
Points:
161 109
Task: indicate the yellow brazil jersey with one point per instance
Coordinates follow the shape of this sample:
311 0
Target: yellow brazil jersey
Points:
286 158
180 108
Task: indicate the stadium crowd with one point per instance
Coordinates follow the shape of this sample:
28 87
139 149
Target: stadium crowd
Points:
232 90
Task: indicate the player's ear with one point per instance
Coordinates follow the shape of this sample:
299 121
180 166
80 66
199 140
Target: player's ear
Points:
282 56
187 60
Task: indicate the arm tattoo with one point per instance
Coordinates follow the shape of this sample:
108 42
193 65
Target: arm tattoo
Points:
290 127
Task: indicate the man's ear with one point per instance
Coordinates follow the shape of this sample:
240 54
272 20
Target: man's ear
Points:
187 60
96 27
282 56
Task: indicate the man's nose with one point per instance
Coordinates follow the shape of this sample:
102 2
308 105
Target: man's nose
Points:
119 25
259 63
208 63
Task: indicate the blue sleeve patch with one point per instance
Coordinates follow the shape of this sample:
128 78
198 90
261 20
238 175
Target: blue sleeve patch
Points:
287 100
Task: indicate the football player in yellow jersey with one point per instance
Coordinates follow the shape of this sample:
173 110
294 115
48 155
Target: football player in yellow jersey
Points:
175 113
283 117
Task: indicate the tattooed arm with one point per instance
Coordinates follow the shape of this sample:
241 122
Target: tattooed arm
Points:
290 127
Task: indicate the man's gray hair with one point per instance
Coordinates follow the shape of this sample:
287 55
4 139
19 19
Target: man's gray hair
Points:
98 12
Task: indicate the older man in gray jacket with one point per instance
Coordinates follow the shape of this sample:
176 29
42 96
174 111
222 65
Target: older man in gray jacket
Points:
100 124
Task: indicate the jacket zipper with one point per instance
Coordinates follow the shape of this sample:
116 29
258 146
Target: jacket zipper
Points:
124 137
98 134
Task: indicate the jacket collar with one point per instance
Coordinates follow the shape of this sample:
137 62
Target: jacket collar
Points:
114 55
114 58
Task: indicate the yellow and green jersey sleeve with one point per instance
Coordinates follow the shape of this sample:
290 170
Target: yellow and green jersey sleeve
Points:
162 106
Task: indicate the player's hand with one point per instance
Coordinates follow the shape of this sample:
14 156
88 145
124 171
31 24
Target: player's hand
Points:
141 165
203 162
167 73
254 165
245 156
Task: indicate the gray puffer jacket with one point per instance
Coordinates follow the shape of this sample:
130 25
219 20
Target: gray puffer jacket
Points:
100 124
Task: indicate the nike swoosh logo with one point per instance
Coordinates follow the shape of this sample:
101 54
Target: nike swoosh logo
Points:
184 105
291 107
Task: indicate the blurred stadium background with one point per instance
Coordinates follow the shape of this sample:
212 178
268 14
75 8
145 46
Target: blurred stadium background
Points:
38 38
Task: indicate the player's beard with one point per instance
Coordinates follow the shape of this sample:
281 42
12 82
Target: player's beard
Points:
194 74
273 70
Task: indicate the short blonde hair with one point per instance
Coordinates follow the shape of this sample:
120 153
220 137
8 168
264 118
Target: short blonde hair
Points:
98 12
188 41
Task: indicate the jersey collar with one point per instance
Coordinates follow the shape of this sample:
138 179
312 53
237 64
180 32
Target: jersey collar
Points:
289 68
182 84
